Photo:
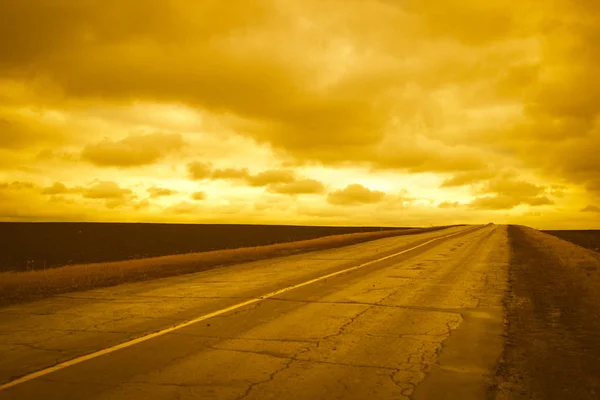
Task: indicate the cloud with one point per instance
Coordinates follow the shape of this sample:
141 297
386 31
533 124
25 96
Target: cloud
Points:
593 185
54 155
283 181
504 202
17 185
273 203
512 187
20 130
398 151
557 190
109 191
539 201
106 190
303 186
23 201
198 196
274 176
467 178
156 192
56 188
355 194
230 174
141 205
504 192
472 22
132 151
532 214
199 171
449 204
323 213
365 94
459 91
27 201
183 207
13 136
560 133
397 201
494 203
591 208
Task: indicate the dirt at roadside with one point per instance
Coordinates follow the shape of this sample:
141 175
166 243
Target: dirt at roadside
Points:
553 317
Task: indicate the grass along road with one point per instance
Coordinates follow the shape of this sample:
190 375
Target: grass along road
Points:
32 285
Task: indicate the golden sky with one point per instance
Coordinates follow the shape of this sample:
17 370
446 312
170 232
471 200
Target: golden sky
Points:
355 112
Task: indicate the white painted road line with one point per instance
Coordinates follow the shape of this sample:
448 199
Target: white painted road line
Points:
141 339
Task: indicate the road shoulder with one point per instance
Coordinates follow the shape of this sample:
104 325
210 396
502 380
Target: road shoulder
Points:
553 310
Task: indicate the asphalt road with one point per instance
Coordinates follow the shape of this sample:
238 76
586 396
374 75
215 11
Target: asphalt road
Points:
378 320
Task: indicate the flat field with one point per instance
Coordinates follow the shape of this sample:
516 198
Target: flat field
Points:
35 246
25 283
590 239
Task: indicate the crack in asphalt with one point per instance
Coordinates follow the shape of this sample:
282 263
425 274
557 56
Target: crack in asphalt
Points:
308 360
377 304
351 320
257 352
67 332
406 388
173 384
68 382
294 358
338 259
423 360
342 328
108 299
20 313
193 297
118 299
270 378
272 375
34 347
96 326
412 336
245 338
241 310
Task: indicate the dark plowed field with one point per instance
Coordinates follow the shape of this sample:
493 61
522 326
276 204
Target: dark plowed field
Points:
589 239
28 246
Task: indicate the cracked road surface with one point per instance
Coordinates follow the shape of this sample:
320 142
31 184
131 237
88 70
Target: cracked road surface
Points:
426 324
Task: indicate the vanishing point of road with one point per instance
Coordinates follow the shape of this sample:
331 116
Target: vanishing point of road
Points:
417 316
